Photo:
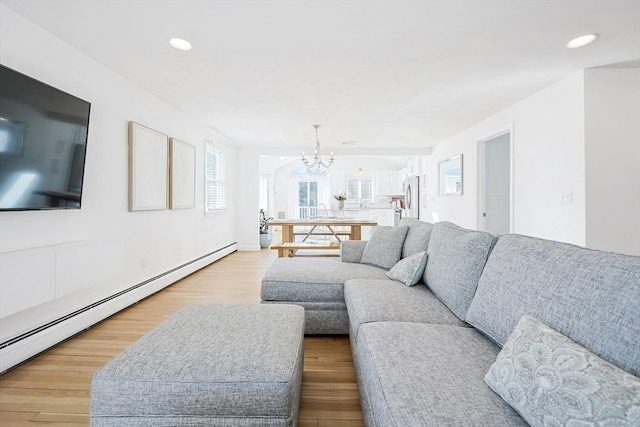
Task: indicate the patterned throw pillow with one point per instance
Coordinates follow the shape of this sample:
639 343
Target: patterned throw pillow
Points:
552 381
384 247
409 270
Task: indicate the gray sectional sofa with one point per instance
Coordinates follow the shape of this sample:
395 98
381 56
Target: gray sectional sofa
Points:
422 352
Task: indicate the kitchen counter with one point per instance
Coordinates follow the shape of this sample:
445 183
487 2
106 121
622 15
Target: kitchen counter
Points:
366 208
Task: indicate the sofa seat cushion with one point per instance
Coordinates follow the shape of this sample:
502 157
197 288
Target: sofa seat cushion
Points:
322 318
413 374
386 300
455 259
312 279
592 297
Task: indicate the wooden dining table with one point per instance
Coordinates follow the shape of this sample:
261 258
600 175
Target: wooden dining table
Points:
336 228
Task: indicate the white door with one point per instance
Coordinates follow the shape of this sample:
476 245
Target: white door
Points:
495 184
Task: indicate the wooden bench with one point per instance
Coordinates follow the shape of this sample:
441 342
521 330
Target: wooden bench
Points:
289 249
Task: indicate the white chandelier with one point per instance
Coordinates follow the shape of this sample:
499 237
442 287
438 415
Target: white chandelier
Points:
316 166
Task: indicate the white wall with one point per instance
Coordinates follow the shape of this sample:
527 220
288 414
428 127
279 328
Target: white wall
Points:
247 214
612 112
549 161
66 260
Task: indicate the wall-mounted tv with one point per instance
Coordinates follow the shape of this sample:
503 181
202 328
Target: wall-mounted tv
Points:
43 144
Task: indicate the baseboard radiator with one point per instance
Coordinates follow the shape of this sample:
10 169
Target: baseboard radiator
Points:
24 347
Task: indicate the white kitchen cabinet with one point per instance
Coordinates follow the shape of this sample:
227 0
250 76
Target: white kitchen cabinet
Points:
414 166
384 183
389 183
383 216
403 174
397 183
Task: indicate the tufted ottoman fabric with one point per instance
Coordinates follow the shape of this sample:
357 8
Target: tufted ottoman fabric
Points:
207 365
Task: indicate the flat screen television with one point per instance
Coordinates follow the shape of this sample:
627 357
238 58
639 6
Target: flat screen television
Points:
43 144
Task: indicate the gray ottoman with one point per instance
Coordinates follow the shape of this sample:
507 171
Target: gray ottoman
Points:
213 365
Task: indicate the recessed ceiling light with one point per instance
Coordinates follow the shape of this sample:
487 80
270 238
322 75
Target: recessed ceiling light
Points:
180 44
582 41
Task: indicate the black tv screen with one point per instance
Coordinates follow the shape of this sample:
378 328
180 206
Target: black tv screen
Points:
43 144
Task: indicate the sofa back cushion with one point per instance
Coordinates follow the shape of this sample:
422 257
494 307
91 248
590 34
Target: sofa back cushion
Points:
455 259
590 296
384 247
417 239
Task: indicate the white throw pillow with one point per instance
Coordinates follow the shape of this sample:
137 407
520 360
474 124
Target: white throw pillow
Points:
552 381
410 269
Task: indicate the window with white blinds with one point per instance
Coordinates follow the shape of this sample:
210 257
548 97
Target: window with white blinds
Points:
215 171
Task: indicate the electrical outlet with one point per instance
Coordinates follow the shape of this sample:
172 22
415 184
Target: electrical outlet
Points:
143 263
566 198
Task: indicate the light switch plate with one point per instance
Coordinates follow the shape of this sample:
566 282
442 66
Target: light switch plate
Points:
566 198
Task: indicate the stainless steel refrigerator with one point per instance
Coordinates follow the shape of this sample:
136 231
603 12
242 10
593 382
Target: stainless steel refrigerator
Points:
412 197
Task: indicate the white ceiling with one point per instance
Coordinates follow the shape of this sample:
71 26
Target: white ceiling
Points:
382 73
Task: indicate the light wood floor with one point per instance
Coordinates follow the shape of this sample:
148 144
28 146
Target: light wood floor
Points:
54 388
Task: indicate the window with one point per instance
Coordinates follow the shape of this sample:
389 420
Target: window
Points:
307 199
215 171
360 189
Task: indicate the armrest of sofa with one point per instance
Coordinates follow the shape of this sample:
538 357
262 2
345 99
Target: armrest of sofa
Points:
351 250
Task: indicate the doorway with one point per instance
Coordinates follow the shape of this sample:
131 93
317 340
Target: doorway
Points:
495 189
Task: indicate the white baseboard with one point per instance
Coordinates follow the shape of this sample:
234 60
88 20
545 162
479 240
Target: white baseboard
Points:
24 349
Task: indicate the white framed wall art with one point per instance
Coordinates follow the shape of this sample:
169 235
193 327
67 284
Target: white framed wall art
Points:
182 173
148 168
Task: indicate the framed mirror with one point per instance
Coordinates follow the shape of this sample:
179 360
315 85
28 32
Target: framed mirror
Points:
450 183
